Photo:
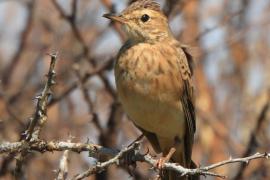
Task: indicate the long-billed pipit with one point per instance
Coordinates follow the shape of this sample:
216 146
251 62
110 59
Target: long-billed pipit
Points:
153 78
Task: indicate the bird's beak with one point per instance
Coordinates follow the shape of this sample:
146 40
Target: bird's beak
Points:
115 18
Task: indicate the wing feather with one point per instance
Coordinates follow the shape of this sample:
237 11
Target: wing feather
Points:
187 101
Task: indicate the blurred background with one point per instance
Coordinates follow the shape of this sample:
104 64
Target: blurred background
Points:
231 41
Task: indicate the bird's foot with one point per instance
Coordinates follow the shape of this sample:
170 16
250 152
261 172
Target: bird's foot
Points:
161 161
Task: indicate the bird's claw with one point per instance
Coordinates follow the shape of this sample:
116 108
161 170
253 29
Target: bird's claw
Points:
161 163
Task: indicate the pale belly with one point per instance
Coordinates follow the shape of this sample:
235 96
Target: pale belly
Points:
154 114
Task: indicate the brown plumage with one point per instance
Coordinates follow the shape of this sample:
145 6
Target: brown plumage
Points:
153 77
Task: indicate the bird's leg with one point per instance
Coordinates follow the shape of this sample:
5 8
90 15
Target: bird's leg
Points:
161 161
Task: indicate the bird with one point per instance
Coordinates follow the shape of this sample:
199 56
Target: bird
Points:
153 74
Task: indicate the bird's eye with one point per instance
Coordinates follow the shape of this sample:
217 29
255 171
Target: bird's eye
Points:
145 18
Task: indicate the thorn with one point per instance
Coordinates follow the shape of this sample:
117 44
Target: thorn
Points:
38 97
40 114
267 155
53 55
50 74
183 174
24 133
16 158
71 137
49 93
55 171
53 82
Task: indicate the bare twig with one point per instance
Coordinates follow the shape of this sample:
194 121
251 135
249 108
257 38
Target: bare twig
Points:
40 117
50 146
98 151
102 166
63 165
204 170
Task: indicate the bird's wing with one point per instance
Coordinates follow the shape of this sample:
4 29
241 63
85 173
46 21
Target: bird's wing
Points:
188 95
187 98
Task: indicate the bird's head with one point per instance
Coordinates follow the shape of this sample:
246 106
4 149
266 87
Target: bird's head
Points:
143 20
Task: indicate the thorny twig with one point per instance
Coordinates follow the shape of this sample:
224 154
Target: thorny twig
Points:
102 166
39 118
205 171
98 151
50 146
104 138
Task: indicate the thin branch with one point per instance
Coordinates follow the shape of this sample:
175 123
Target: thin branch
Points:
116 156
40 116
63 165
245 160
168 166
39 119
102 166
42 146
